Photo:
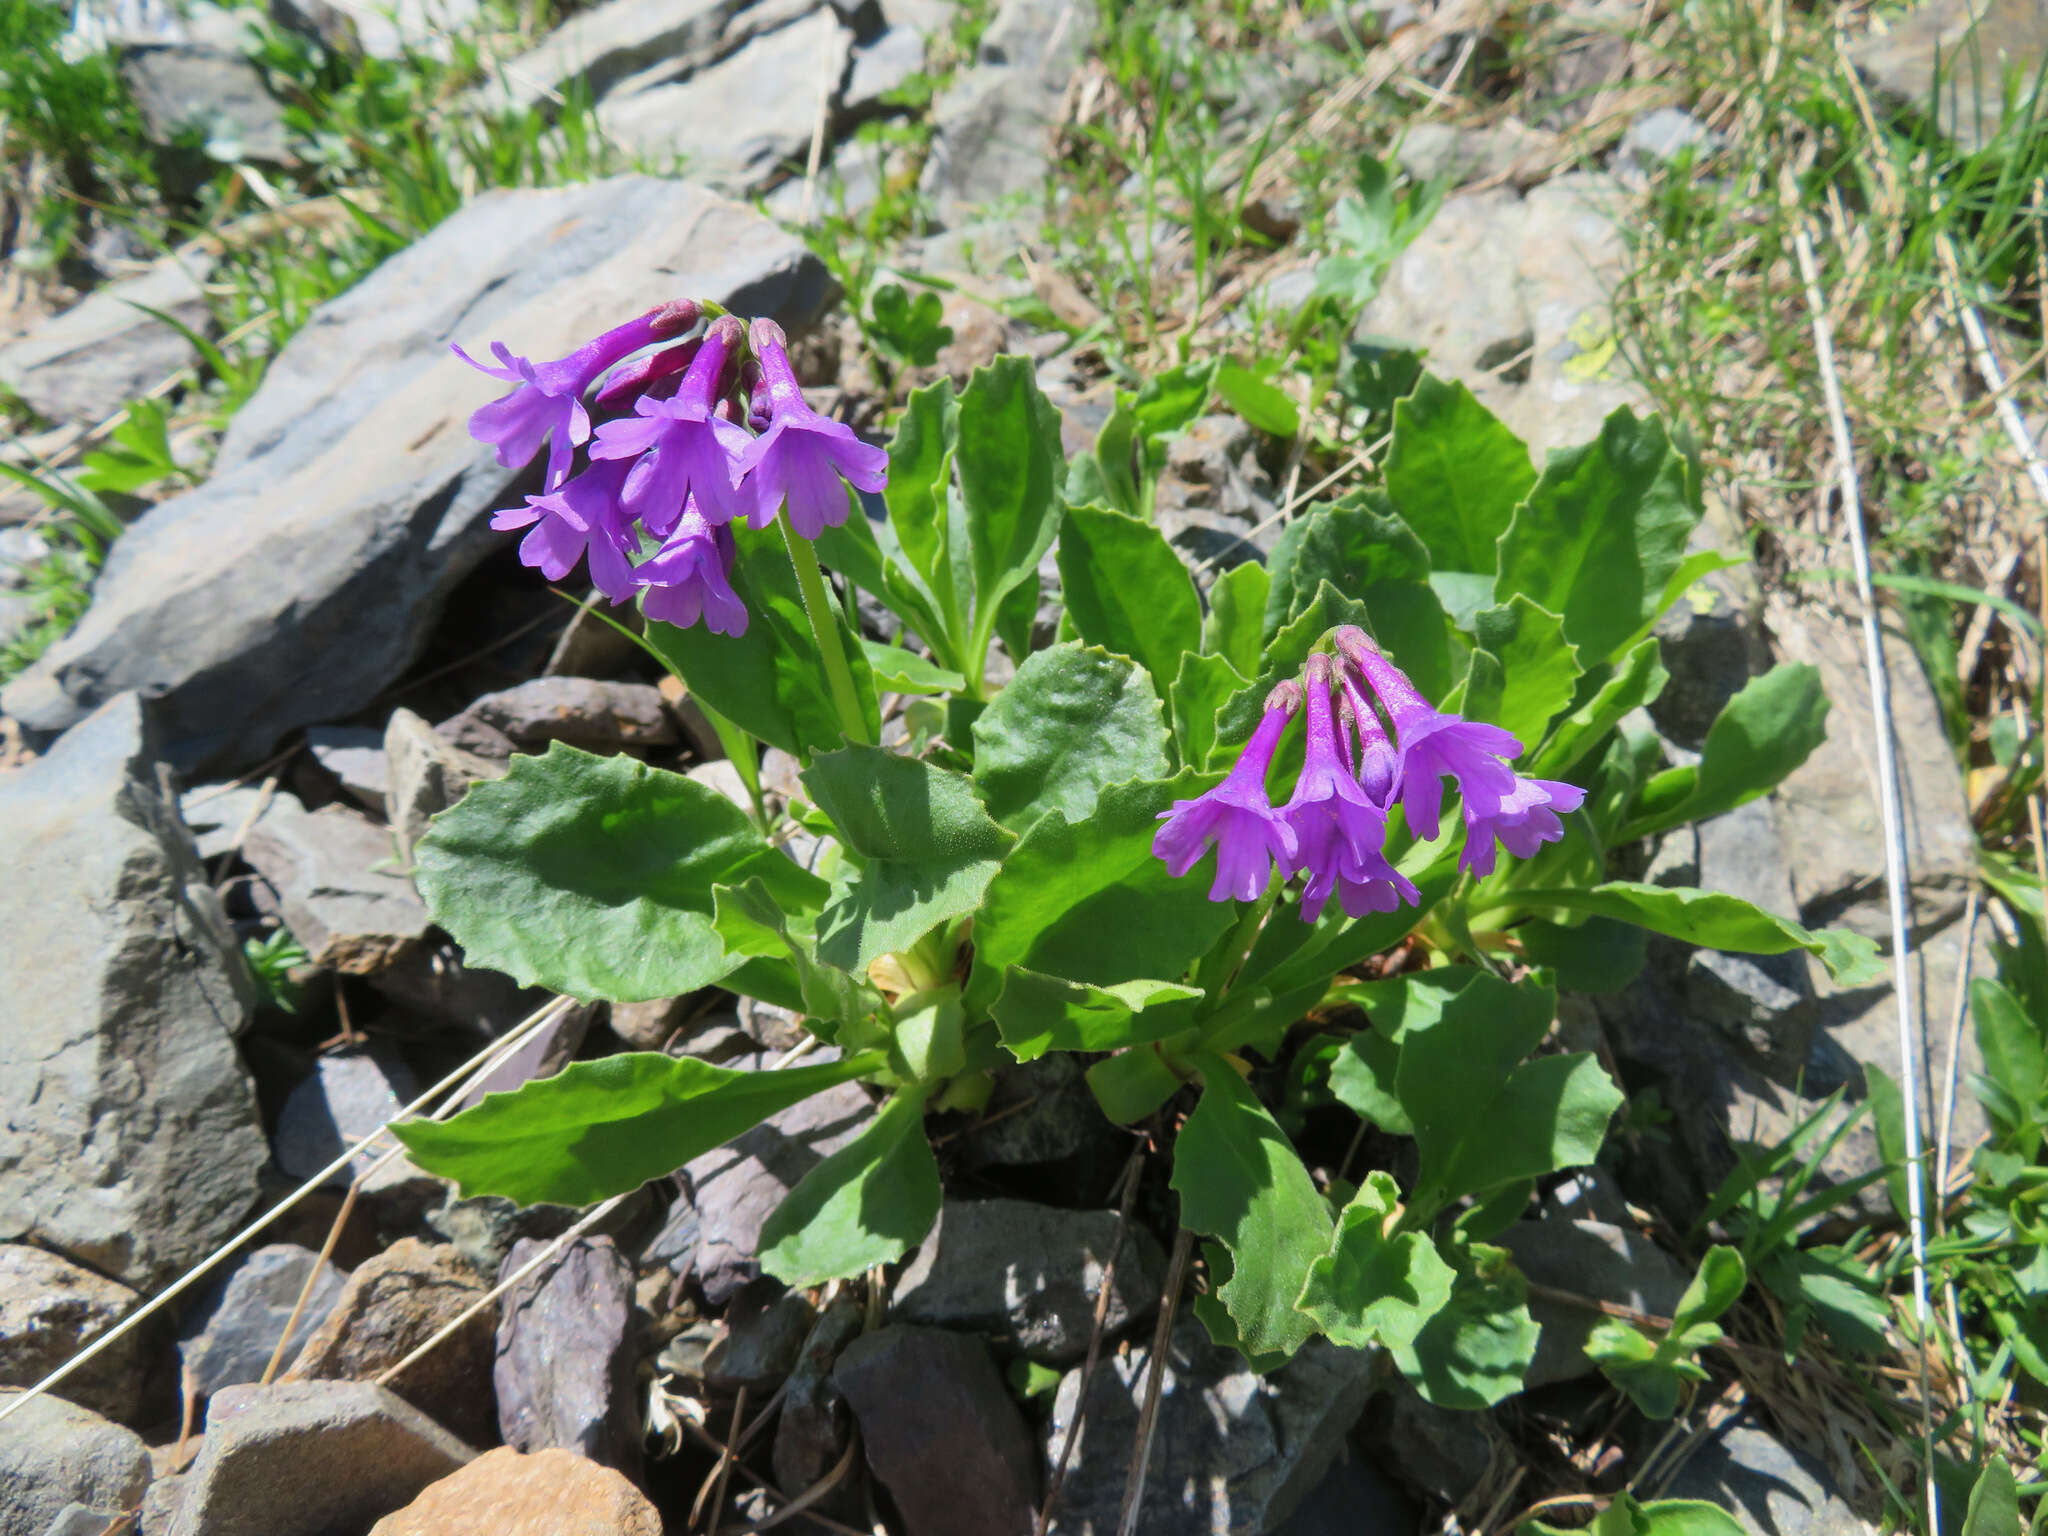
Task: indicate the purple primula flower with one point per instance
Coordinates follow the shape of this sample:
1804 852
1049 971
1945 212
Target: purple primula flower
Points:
547 404
682 449
1371 885
802 456
1434 745
581 516
689 577
1525 819
1236 815
643 373
1339 833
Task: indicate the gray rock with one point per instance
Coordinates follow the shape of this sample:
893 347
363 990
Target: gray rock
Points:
598 48
50 1309
391 1305
736 1187
564 1373
1712 646
1213 501
1038 1113
880 67
650 1025
765 1329
335 889
1027 1276
54 1454
83 1520
1596 1261
1354 1498
355 756
349 479
1508 151
1234 1452
941 1432
183 89
230 1339
484 1229
349 1095
1509 295
1771 1489
598 717
1445 1452
310 1458
810 1435
87 363
217 815
1660 136
727 130
427 775
131 1141
1960 55
161 1504
994 123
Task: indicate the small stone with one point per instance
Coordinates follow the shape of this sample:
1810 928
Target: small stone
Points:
349 1095
736 1187
1660 136
941 1432
722 777
598 717
810 1436
1445 1452
355 756
505 1493
485 1228
765 1329
391 1305
310 1458
1771 1489
217 93
230 1339
1354 1498
50 1309
54 1454
1038 1113
564 1373
649 1026
336 890
1234 1451
1026 1276
427 774
880 67
161 1504
674 1244
1596 1261
83 1520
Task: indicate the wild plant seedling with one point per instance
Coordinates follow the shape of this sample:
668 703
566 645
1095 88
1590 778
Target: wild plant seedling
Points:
1014 877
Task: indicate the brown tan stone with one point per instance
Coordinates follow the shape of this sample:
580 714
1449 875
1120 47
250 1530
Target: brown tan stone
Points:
550 1493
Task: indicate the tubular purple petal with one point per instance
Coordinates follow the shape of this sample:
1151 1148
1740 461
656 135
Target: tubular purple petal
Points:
801 457
689 577
1525 819
684 450
581 517
1339 832
1237 817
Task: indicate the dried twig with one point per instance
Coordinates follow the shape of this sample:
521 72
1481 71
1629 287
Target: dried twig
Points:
1155 1381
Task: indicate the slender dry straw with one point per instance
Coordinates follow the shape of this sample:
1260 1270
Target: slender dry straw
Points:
1155 1382
205 1266
1892 815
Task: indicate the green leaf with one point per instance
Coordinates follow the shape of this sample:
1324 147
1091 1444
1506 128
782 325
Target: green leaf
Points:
768 681
2015 1051
1170 402
1090 903
901 671
1038 1013
1371 557
1598 956
930 1036
1242 1183
750 923
1760 736
1478 1347
1716 920
1257 401
1205 684
920 478
1012 470
1601 532
868 1203
1551 1113
1073 720
1362 1078
929 847
1837 1290
868 554
911 332
1371 1288
1131 1084
1235 627
1634 682
1537 670
1126 590
1994 1508
601 1128
1456 473
593 876
1106 474
1660 1517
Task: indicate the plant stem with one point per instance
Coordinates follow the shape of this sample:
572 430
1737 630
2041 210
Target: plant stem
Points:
811 581
745 757
1247 934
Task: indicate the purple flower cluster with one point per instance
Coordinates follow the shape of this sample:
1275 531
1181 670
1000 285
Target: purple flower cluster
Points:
1333 829
704 431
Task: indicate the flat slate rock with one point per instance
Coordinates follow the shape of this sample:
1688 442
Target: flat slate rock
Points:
54 1454
349 481
133 1143
310 1458
86 364
229 1341
50 1309
565 1355
336 890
